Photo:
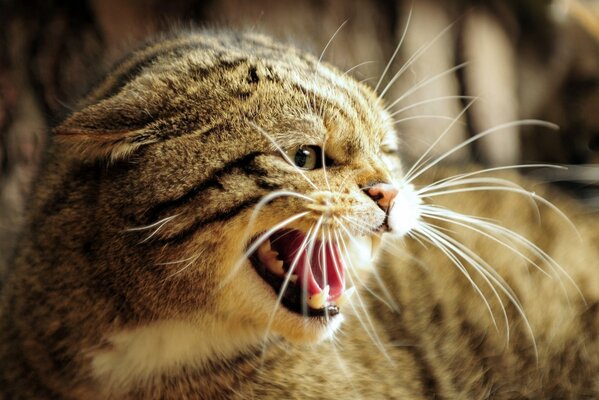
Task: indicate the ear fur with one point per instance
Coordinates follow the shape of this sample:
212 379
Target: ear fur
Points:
110 129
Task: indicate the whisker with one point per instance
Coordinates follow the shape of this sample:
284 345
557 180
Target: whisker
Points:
413 58
358 66
288 275
524 242
158 224
267 199
424 116
284 154
323 263
487 170
424 83
390 301
258 242
330 41
524 122
533 195
485 234
371 330
407 178
430 234
192 260
487 271
428 101
308 259
403 36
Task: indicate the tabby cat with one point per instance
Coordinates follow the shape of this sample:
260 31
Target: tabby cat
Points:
206 226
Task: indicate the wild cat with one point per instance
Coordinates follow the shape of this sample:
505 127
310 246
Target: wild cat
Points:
206 223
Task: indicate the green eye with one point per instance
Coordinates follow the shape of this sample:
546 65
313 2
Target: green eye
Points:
306 157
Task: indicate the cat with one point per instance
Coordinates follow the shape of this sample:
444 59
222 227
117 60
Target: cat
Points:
541 55
225 216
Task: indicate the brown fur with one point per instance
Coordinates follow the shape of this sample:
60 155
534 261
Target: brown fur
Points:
178 130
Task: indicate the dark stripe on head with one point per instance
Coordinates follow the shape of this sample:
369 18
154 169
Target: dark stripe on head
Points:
221 216
214 181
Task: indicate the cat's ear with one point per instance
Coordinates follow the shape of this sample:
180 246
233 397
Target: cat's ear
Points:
110 129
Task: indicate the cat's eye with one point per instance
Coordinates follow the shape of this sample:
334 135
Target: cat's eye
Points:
307 157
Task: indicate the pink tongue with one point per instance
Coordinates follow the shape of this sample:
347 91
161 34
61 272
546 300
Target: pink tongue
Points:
323 267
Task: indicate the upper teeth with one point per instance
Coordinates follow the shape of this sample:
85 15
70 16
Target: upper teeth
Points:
269 259
361 251
345 296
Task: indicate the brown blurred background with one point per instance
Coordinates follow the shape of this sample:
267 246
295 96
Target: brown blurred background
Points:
525 59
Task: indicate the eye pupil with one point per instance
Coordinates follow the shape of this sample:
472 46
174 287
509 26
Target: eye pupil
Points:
301 157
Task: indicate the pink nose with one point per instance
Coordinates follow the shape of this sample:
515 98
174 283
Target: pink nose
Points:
383 194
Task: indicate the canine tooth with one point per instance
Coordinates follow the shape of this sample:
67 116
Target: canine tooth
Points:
345 296
326 291
293 278
319 300
349 293
361 252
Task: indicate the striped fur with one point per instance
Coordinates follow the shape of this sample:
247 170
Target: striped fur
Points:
121 286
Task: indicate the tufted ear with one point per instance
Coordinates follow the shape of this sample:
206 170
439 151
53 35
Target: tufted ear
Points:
111 129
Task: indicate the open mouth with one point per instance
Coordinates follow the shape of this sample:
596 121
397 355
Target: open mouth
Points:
309 274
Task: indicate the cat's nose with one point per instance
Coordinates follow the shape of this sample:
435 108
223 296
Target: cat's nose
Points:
383 194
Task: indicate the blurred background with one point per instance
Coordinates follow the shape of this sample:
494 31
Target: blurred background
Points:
520 59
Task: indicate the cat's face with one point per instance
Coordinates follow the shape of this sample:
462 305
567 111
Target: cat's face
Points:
246 183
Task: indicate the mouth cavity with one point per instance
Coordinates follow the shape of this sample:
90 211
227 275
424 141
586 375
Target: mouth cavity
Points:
311 274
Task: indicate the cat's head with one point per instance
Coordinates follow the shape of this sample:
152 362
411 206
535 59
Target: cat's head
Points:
234 169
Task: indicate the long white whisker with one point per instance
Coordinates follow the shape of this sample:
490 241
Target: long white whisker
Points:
485 170
449 219
330 41
267 199
428 101
158 225
408 176
431 235
321 57
487 271
390 301
403 36
524 122
544 201
258 242
370 329
413 58
288 275
323 263
309 253
282 152
424 116
514 236
424 83
358 66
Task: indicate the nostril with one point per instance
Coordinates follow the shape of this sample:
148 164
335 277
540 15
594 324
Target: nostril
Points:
383 194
